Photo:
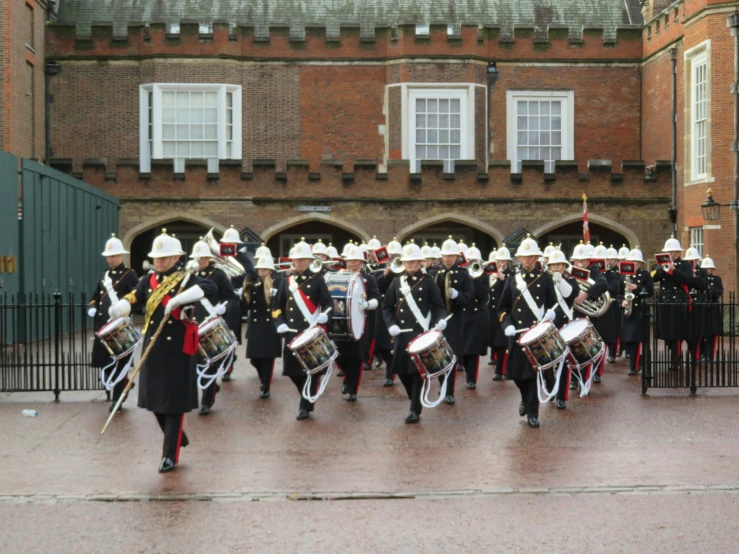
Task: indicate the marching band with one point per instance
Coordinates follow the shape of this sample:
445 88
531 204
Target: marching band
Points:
426 312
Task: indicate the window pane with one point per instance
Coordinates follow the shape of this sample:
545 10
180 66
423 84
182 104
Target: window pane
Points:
196 149
421 121
420 152
454 137
544 139
183 149
433 121
432 136
211 100
534 138
183 132
522 108
534 108
443 106
533 123
420 136
544 124
432 106
182 99
182 115
211 149
523 138
168 115
169 149
443 152
556 123
454 105
443 121
229 99
557 137
196 100
432 153
196 115
167 131
455 152
211 131
545 153
556 153
167 99
420 105
522 123
454 121
211 115
534 154
523 154
444 136
557 107
196 132
229 150
544 108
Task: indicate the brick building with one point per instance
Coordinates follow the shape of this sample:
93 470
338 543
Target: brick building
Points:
393 118
22 125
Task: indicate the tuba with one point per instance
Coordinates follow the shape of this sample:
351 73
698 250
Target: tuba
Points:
591 308
229 265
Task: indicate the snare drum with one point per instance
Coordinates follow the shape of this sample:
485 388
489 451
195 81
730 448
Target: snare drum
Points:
543 345
584 342
432 354
216 339
313 349
346 290
120 337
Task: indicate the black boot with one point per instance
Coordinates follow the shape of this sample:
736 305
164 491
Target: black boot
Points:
302 414
412 418
522 409
533 422
166 465
388 383
497 377
450 399
561 404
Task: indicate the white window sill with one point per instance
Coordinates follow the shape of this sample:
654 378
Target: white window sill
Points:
701 181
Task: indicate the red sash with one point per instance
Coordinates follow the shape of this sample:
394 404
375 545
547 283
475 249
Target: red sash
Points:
685 288
192 338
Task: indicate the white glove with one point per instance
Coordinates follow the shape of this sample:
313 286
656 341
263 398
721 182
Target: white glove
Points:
453 293
322 318
282 328
186 297
362 305
557 277
92 312
565 288
394 330
510 331
120 309
107 283
274 292
440 325
372 304
550 315
239 291
221 308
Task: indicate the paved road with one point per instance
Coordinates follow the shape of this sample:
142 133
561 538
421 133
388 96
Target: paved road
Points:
572 480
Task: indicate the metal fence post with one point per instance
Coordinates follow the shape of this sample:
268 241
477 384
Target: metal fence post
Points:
57 341
694 345
646 359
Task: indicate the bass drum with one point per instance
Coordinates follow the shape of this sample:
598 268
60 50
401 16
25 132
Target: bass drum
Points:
347 320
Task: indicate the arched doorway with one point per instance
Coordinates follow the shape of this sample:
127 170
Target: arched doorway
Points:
281 242
188 233
437 233
570 235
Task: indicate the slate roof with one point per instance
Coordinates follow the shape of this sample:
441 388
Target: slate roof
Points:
367 14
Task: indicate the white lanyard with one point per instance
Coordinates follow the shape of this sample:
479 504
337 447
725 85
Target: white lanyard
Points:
523 288
424 322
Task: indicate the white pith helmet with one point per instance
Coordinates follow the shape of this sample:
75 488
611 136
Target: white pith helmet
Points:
672 245
319 248
301 251
528 247
473 253
436 252
412 253
491 257
692 254
231 236
623 252
600 252
263 252
353 252
557 257
707 263
165 246
635 256
374 243
503 254
331 251
462 247
580 252
612 253
201 250
426 252
450 247
114 247
394 247
345 250
265 262
548 250
589 249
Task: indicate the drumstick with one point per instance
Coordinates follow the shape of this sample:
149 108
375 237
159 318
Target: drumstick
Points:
141 361
326 311
292 330
406 330
447 318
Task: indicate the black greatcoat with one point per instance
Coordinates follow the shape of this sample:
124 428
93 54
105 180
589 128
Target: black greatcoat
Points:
395 311
606 324
497 339
459 279
357 350
285 310
370 284
226 293
383 340
632 328
124 281
262 340
476 319
515 311
561 317
700 303
615 274
168 382
714 318
675 304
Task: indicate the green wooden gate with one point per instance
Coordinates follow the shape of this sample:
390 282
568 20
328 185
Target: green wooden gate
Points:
9 228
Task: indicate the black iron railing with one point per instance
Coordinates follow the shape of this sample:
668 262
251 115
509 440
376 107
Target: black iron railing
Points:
708 356
46 344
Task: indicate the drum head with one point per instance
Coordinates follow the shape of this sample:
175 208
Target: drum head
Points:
357 317
536 332
209 323
305 337
574 329
111 326
423 341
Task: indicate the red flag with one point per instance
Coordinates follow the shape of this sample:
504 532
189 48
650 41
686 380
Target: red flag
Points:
585 227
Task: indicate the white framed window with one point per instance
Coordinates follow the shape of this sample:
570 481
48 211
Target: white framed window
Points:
540 126
425 30
203 28
181 122
438 122
696 239
699 115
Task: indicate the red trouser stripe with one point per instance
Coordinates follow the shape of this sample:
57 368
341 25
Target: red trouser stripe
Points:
600 368
715 346
361 373
638 357
697 349
179 440
371 352
271 373
618 345
505 362
568 376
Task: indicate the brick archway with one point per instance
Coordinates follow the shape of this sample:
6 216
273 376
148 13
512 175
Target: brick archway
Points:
310 218
454 218
593 218
162 221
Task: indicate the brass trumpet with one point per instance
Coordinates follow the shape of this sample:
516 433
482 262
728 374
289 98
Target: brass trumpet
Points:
396 266
477 269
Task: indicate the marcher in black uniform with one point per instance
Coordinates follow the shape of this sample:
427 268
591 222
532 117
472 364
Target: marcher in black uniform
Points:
351 352
714 317
633 331
230 309
455 284
301 300
168 380
566 290
613 276
123 280
413 295
231 236
623 253
581 257
699 297
498 341
527 285
606 323
476 321
369 340
263 344
383 340
675 303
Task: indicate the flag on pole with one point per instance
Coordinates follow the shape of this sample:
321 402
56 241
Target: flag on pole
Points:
585 227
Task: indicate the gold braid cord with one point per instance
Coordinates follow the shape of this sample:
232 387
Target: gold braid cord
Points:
164 288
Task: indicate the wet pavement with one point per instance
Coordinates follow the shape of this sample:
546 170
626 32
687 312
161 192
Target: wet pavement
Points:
662 467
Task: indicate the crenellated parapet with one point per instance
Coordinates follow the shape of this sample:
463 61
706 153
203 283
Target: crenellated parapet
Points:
631 182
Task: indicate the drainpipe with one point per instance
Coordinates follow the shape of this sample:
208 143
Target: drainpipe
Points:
492 78
673 208
733 23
